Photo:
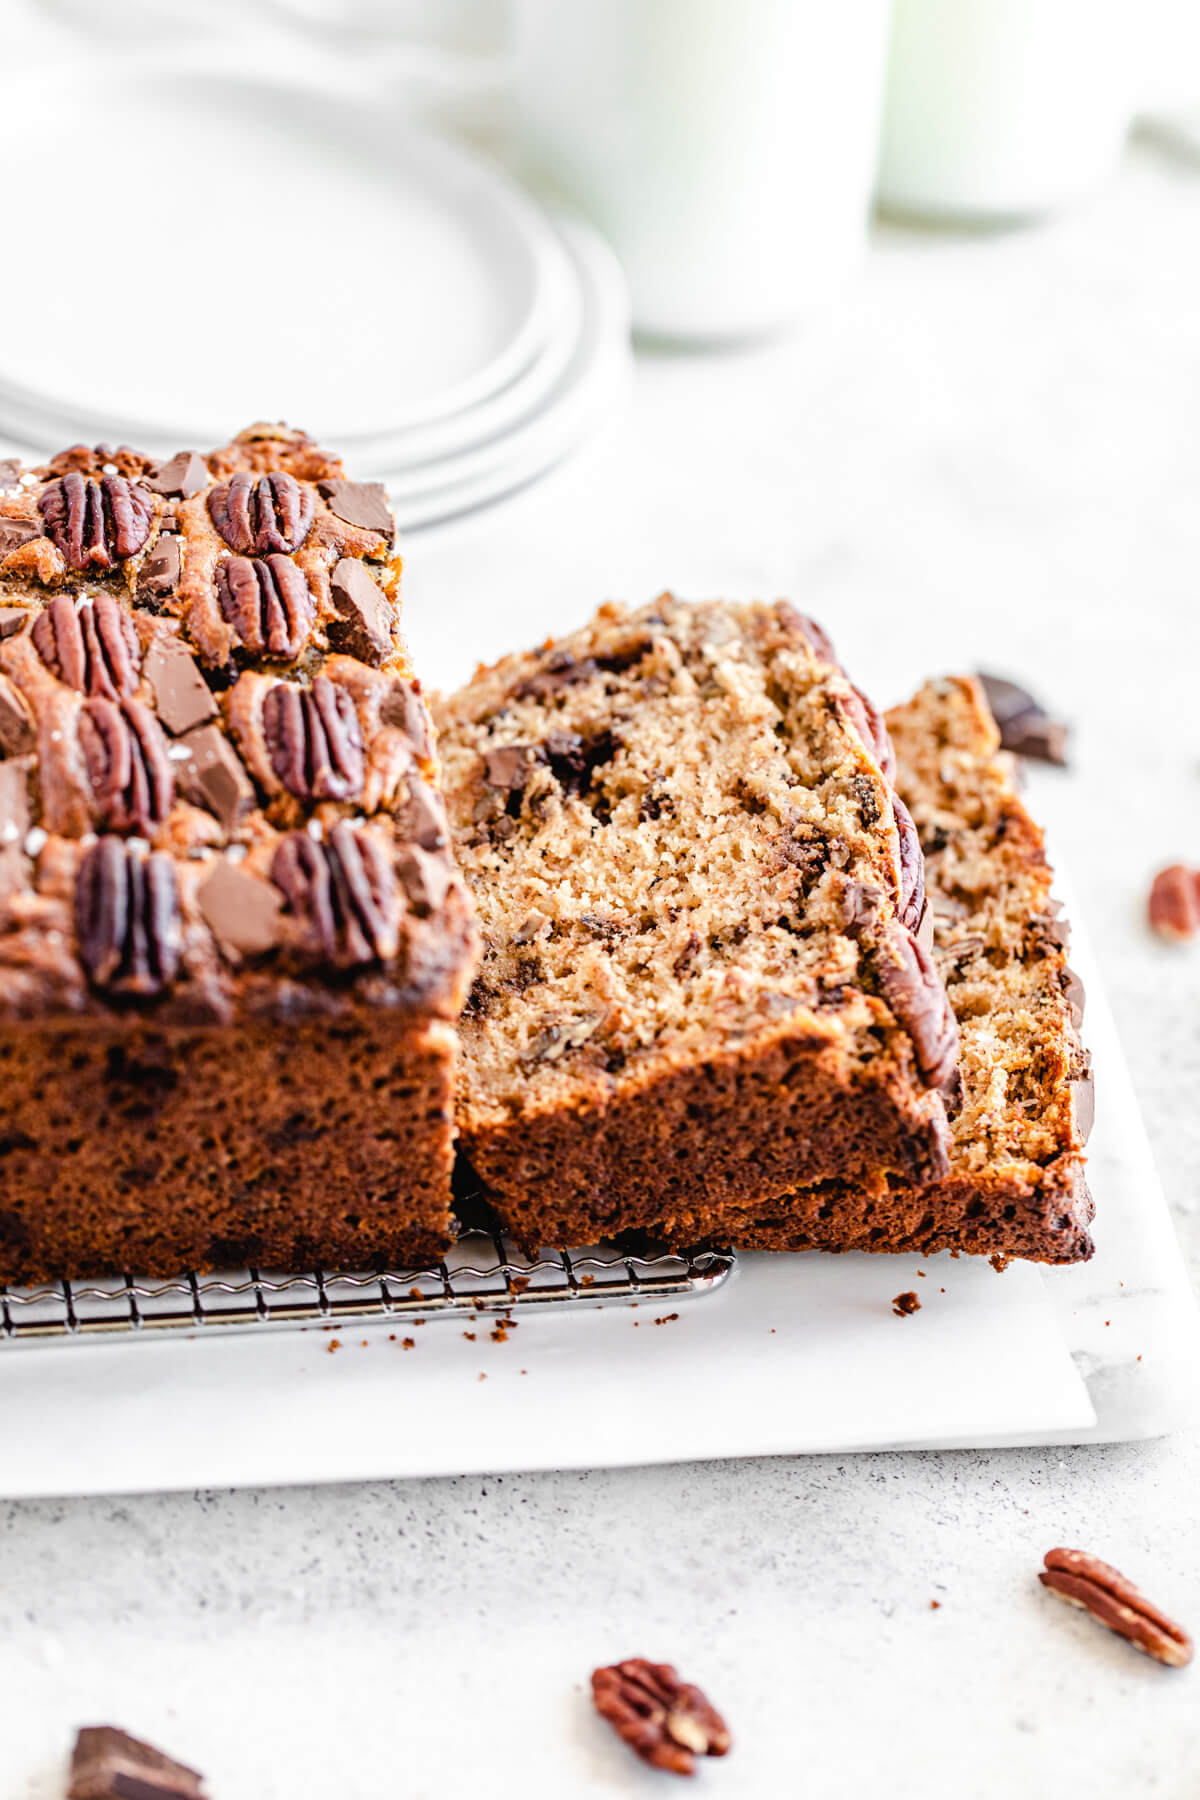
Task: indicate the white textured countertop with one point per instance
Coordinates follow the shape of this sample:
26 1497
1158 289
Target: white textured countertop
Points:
989 457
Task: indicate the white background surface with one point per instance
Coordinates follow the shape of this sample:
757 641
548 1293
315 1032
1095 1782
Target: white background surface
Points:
988 456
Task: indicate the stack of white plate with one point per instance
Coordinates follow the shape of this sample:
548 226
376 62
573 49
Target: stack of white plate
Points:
203 249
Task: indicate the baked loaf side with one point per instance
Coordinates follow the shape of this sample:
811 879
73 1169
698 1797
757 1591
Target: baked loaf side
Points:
700 901
232 939
1016 1186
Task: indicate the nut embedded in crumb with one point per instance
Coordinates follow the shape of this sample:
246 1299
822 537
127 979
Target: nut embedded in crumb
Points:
1174 904
1083 1580
904 1304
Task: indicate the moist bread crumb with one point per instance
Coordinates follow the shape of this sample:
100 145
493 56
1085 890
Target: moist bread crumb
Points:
700 902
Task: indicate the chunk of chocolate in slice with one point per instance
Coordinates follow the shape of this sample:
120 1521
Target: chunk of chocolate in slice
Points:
158 577
1025 726
11 620
363 627
361 503
14 533
242 911
108 1764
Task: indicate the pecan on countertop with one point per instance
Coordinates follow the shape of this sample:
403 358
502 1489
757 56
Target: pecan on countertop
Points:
665 1721
1083 1580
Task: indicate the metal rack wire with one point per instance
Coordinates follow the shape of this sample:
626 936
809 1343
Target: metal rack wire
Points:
481 1274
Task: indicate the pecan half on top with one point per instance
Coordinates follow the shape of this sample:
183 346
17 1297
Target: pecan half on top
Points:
261 514
127 917
1083 1580
343 891
93 648
96 520
128 766
267 602
313 739
665 1721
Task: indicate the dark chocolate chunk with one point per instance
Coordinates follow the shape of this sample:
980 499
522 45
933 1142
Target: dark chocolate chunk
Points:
159 575
862 904
425 878
14 533
403 709
180 692
17 732
361 503
10 472
1024 725
181 477
913 990
510 765
242 911
1083 1093
365 619
11 620
212 776
108 1764
1076 995
422 817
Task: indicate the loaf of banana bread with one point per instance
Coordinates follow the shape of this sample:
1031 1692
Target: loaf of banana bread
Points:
233 943
702 906
1015 1186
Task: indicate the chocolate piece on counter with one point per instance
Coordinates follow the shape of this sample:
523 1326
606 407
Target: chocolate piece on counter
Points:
10 472
17 732
1025 727
361 503
242 911
108 1764
184 475
15 532
159 575
424 878
363 627
212 776
181 695
11 620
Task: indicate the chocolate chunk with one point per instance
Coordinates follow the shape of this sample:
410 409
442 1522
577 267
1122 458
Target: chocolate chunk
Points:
422 817
16 721
509 767
403 709
1076 995
1083 1092
241 910
361 503
212 776
364 625
181 477
14 533
158 577
10 472
861 905
180 692
913 990
11 620
15 821
1025 727
425 878
108 1764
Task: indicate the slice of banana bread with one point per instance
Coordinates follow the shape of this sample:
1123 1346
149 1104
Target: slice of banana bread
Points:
232 941
1016 1184
699 899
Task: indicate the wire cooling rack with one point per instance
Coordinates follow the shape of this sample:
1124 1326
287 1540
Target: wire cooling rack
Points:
481 1274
